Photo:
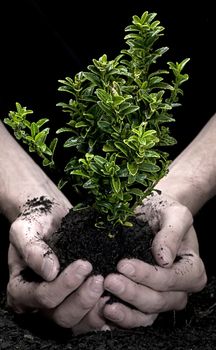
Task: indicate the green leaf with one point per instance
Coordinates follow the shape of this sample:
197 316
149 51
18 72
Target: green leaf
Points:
41 122
62 182
137 192
116 184
90 184
132 168
151 154
65 129
81 124
100 161
53 145
105 126
103 95
41 136
79 173
127 224
72 164
121 146
129 110
150 168
93 78
72 141
105 108
34 129
183 63
46 162
108 147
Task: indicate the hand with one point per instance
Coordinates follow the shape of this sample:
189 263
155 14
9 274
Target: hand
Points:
154 289
71 299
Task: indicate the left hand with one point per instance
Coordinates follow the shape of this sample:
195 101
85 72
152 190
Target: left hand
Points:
155 289
72 299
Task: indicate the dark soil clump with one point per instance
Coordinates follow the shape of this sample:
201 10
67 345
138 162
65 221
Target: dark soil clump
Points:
36 205
79 238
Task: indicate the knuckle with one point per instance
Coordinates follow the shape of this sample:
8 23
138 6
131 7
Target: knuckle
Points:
201 283
67 283
146 275
159 301
149 320
182 302
200 274
27 252
132 296
60 320
154 303
11 290
187 213
10 301
44 299
13 229
171 282
85 302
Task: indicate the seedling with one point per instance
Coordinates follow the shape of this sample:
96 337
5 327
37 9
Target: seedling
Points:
117 114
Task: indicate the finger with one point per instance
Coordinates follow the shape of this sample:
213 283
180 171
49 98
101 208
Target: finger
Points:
175 222
27 238
15 262
144 298
188 274
125 317
78 304
93 320
47 295
189 242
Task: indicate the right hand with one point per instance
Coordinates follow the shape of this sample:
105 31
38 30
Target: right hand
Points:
152 290
172 226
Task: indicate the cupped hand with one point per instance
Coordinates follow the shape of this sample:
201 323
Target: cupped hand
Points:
68 300
72 298
163 287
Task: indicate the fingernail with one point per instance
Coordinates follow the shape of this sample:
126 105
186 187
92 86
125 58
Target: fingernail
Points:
166 256
48 269
96 283
127 269
84 269
117 316
115 286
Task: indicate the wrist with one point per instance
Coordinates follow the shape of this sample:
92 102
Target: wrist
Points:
189 190
22 179
16 195
35 191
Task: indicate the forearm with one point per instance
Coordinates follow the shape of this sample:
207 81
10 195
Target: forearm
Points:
20 176
192 175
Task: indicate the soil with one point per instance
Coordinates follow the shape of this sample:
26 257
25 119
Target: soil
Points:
103 246
190 329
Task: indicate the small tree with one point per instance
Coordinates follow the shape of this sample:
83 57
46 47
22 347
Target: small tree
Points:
116 116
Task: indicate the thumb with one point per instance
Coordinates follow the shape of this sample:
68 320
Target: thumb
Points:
175 225
35 252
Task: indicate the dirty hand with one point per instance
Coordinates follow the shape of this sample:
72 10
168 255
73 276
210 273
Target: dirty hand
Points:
35 206
155 289
71 299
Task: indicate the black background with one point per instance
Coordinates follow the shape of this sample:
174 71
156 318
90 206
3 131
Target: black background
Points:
42 41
